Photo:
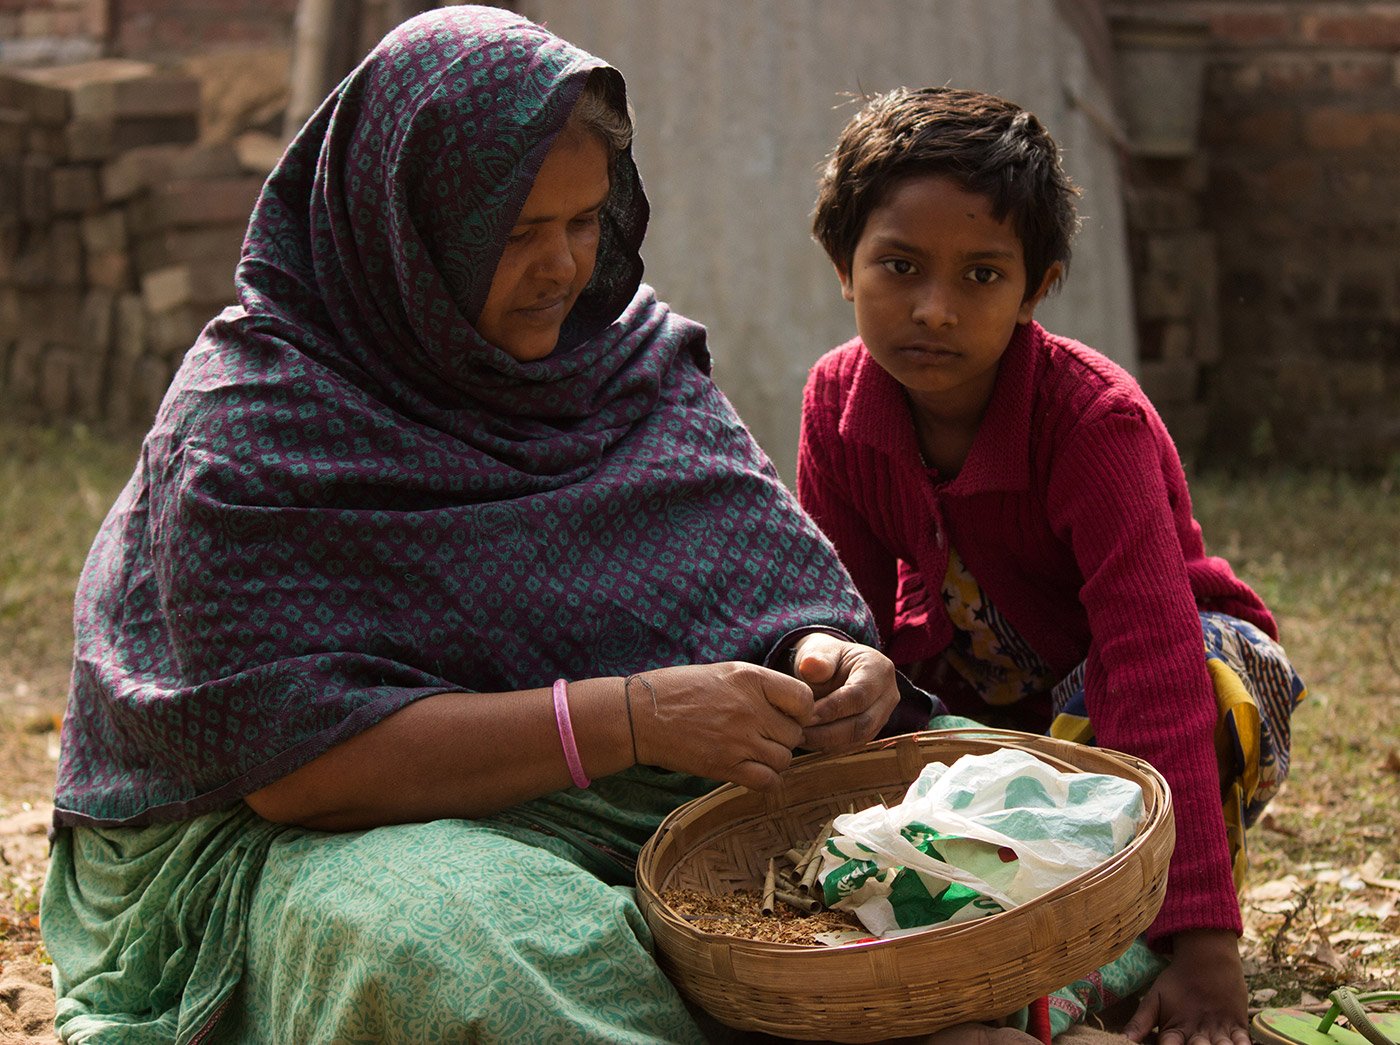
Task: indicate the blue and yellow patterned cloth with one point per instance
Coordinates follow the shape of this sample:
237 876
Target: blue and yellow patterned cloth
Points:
1256 690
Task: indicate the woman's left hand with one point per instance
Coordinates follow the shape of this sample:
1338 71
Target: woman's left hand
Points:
854 687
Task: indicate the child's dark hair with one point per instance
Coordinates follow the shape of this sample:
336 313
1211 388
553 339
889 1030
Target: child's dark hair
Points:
986 144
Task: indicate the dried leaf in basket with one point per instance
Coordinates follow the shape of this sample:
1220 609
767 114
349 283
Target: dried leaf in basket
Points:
740 915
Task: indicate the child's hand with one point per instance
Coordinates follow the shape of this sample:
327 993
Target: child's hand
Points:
1200 998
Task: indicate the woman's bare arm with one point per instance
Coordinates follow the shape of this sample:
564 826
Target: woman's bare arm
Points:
473 754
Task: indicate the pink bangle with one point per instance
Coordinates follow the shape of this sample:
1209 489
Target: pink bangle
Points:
566 733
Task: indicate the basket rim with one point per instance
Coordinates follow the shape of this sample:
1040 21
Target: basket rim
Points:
651 891
911 984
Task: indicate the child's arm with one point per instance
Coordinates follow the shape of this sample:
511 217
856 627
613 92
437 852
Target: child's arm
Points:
1118 496
1146 687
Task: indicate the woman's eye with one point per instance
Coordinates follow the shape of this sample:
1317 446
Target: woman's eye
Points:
982 274
899 266
586 221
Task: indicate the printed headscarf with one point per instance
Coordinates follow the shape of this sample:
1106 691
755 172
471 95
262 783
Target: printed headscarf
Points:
349 500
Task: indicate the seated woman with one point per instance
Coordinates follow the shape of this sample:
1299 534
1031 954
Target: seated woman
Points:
445 573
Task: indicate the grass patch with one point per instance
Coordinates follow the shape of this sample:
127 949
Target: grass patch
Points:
1323 905
56 485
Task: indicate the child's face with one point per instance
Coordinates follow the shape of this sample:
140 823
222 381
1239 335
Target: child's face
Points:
939 285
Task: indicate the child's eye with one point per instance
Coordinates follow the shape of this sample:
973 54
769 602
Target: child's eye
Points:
982 274
899 266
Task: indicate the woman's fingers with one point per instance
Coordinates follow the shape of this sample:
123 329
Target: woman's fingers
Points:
844 732
816 659
786 694
762 773
740 722
856 686
731 721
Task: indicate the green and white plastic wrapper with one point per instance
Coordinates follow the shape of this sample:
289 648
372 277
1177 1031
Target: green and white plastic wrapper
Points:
980 836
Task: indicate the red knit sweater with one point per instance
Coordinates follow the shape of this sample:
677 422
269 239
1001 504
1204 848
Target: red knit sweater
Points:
1072 512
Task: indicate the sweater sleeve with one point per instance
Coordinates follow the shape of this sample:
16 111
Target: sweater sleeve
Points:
826 468
1146 686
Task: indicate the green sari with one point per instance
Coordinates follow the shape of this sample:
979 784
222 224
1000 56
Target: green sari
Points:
228 928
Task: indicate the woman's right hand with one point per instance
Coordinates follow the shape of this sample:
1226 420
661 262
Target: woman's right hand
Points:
731 721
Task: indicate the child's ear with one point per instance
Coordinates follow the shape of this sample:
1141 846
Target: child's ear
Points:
1052 276
843 274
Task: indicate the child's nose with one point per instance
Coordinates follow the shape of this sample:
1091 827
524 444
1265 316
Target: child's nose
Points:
934 307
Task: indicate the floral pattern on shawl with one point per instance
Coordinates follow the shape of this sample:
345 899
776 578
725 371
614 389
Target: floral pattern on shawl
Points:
349 500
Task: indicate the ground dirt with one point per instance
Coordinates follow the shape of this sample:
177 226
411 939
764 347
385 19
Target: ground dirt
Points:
26 782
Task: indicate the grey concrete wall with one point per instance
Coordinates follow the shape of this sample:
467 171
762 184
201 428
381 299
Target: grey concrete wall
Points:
737 103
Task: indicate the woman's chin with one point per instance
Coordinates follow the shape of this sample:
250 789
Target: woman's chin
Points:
531 347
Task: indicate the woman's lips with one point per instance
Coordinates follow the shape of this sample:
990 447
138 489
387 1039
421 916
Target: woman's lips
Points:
541 312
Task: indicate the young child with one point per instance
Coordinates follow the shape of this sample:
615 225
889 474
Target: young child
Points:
1016 514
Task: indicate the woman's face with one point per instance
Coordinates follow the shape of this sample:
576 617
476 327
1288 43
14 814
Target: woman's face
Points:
550 253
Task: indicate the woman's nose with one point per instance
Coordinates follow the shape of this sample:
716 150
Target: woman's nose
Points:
555 260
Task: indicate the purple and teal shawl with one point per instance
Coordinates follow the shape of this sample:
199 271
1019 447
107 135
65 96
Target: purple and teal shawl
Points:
349 500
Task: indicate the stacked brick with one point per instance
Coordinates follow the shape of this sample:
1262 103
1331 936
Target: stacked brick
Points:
46 32
119 235
1174 282
1280 233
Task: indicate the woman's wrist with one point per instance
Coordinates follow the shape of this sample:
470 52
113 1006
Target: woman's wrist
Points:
631 684
602 730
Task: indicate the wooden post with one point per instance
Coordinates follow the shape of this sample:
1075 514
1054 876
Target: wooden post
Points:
325 46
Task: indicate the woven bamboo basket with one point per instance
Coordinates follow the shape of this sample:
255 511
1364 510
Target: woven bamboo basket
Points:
916 984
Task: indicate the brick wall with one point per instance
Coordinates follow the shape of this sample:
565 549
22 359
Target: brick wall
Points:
45 32
1267 285
1174 259
34 32
119 234
1298 189
172 29
125 187
51 32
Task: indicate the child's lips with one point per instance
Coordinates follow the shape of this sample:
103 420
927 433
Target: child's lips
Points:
930 352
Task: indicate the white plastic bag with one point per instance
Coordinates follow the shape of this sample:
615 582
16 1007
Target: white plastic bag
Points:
983 835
